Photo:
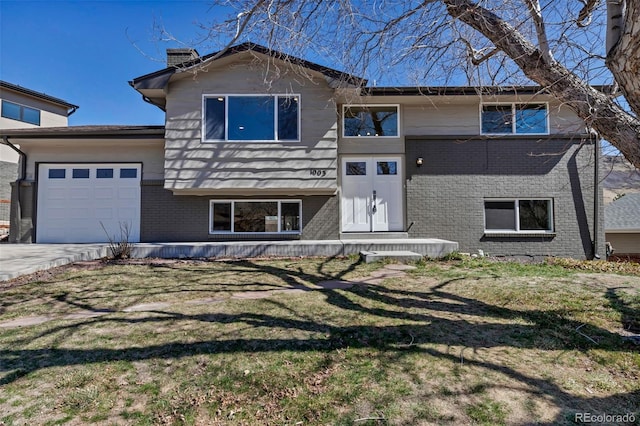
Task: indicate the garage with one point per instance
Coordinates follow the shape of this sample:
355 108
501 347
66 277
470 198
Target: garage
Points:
85 202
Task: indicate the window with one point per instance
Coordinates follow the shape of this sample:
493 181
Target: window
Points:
57 173
128 173
520 215
20 113
356 168
104 173
265 216
514 118
80 173
387 167
370 121
251 118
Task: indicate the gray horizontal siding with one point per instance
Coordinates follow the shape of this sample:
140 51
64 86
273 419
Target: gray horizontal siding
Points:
191 164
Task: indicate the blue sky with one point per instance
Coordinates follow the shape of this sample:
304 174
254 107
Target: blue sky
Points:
85 52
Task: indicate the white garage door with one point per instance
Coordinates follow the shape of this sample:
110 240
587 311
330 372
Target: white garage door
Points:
75 202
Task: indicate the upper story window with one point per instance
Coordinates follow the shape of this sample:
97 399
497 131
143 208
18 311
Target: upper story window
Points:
20 113
515 118
255 118
370 121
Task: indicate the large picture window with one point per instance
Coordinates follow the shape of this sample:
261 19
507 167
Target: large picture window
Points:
264 216
519 215
370 121
20 113
514 118
251 118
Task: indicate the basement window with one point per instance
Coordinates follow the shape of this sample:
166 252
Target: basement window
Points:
255 216
519 215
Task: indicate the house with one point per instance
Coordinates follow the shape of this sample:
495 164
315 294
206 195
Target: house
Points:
258 145
24 108
622 225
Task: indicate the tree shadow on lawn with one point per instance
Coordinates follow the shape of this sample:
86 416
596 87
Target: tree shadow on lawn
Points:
537 329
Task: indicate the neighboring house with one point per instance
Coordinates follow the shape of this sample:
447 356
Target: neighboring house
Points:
24 108
622 225
261 146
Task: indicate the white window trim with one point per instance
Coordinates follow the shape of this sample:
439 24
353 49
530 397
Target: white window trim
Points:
516 202
513 121
347 106
226 96
234 201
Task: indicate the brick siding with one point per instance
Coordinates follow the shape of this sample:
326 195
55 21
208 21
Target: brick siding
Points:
168 217
445 196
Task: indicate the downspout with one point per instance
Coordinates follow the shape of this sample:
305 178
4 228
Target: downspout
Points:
21 178
596 194
70 113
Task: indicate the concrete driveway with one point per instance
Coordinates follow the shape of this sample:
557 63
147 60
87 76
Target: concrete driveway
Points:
22 259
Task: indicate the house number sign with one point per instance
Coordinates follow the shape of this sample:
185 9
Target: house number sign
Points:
317 172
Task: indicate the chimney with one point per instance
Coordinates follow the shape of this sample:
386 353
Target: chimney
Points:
175 57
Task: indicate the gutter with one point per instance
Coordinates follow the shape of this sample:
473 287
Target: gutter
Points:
21 178
596 193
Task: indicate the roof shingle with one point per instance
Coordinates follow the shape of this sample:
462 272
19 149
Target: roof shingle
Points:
623 214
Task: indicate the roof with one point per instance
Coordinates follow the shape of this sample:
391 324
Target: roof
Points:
39 95
139 82
98 131
623 214
459 90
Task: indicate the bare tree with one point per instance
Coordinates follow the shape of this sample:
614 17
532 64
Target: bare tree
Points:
585 53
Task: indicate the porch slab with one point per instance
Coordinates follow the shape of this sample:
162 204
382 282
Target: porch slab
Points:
403 256
430 247
22 259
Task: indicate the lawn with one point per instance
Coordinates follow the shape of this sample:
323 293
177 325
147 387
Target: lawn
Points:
270 342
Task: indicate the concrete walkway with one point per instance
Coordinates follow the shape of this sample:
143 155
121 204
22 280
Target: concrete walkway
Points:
22 259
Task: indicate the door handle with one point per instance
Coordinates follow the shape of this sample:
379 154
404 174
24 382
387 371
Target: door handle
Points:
374 208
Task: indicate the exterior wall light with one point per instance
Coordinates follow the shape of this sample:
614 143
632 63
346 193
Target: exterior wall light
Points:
419 161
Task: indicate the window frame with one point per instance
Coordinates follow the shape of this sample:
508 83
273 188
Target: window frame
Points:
516 202
22 109
279 220
513 117
348 106
274 96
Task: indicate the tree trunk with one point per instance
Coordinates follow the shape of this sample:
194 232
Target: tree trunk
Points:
598 110
624 57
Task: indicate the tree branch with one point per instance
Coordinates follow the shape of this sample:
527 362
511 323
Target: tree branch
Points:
607 118
584 17
538 21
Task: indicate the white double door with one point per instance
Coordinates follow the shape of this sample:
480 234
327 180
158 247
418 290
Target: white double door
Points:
372 194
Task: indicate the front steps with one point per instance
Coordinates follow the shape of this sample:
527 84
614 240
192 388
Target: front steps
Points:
374 235
402 256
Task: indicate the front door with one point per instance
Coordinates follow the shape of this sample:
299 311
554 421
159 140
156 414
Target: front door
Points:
371 194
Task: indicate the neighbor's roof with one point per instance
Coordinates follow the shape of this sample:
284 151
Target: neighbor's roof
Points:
623 214
163 74
99 131
39 95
